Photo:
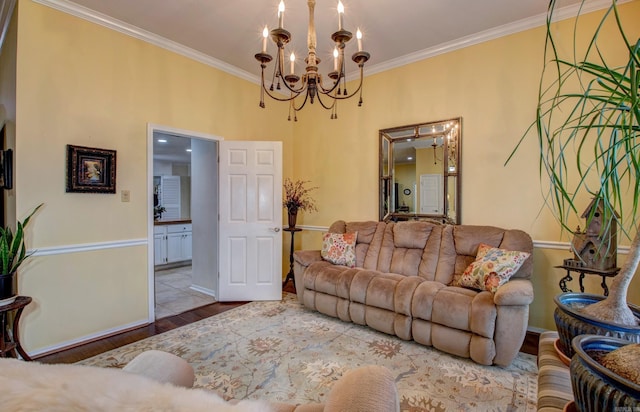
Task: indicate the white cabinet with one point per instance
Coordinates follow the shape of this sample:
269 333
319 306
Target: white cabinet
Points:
172 243
159 245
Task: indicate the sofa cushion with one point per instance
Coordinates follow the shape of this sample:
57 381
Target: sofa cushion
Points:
466 310
340 248
452 307
381 290
422 302
492 268
460 247
368 242
403 247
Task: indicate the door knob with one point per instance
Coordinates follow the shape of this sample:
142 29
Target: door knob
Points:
276 229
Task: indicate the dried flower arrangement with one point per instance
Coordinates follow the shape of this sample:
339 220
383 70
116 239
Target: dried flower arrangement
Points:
297 197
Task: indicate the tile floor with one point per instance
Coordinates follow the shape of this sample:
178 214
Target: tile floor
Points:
173 295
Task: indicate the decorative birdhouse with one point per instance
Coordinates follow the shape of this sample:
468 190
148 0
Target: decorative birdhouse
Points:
596 246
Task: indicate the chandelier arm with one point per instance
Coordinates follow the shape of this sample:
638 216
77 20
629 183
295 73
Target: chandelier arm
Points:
355 92
324 105
280 99
306 97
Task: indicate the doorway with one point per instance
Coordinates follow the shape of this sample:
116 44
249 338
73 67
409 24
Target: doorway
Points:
183 186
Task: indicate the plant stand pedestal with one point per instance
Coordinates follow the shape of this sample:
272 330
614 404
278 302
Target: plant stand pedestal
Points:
293 231
586 271
10 336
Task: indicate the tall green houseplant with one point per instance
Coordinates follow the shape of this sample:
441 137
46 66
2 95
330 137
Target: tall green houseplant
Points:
587 125
13 252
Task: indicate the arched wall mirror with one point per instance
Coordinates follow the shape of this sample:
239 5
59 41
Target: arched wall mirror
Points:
420 171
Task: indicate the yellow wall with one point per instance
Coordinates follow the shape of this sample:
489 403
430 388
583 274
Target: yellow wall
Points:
83 84
79 83
493 86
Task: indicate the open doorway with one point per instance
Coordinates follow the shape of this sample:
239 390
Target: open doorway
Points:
183 179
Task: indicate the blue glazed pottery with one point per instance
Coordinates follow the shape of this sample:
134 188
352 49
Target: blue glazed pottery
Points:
596 388
570 322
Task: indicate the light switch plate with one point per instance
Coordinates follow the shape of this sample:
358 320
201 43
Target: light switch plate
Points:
125 196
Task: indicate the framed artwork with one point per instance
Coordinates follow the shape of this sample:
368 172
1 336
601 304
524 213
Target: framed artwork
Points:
91 170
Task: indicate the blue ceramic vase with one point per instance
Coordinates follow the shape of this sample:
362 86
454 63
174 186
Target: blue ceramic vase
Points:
570 322
596 388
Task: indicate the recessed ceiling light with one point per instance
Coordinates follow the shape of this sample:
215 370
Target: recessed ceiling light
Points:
409 158
188 150
162 140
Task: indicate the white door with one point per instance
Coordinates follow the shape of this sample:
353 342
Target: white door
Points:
431 200
250 221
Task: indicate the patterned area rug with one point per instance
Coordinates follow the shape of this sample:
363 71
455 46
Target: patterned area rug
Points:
284 352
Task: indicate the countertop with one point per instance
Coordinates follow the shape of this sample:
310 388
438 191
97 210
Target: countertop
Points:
171 222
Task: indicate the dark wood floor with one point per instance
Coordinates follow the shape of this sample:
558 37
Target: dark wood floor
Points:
96 347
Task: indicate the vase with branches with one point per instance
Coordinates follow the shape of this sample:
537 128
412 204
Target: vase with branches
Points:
297 197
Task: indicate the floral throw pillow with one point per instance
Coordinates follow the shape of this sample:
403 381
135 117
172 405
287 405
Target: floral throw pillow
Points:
339 248
492 268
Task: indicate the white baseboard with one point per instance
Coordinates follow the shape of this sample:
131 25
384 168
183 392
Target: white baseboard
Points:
88 338
206 291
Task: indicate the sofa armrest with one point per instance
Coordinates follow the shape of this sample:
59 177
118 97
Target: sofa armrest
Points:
368 388
306 257
514 293
301 260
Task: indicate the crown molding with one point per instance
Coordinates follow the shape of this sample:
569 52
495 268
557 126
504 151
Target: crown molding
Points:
144 35
491 34
138 33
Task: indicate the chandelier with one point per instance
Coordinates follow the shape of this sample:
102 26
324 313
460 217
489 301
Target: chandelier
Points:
311 83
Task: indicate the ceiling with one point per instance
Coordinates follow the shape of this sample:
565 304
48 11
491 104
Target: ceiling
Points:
171 148
395 32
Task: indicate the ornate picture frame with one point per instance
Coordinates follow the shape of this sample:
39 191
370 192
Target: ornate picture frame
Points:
91 170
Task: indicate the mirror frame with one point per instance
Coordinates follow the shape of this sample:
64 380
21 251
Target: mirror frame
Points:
387 172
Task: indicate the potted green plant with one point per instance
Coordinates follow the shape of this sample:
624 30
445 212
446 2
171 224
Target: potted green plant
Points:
297 197
158 210
588 124
13 252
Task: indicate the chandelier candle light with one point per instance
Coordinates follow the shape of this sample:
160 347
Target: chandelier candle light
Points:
311 85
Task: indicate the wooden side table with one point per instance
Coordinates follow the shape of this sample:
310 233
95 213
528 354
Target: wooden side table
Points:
293 231
609 273
10 336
